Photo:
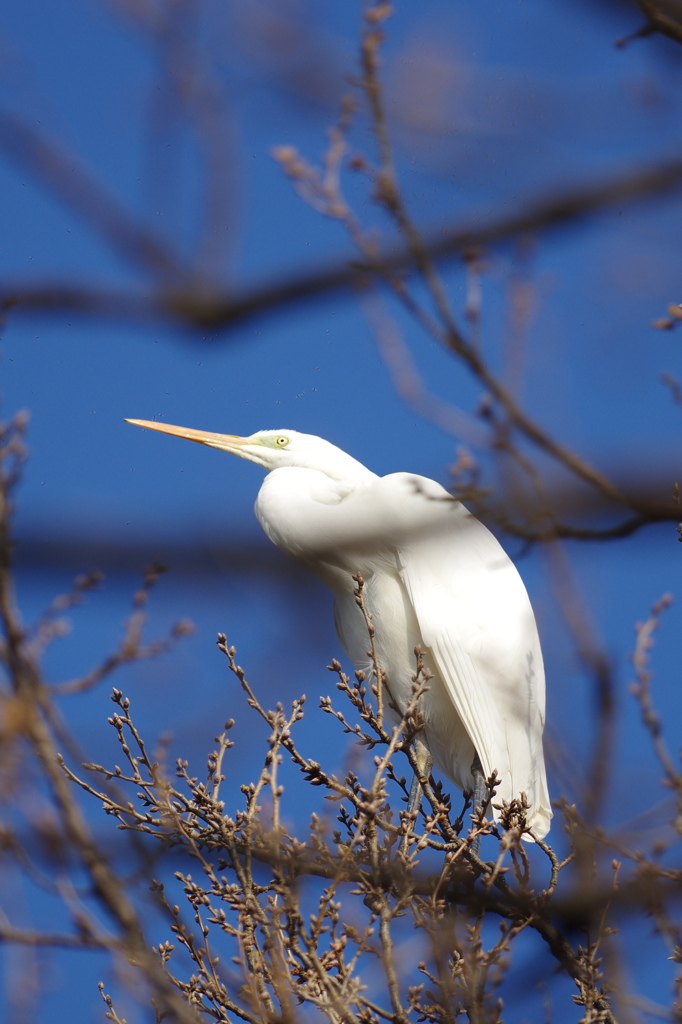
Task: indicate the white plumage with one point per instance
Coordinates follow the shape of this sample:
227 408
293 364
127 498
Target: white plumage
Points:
434 577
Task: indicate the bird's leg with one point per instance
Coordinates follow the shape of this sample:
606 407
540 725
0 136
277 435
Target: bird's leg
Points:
424 765
479 796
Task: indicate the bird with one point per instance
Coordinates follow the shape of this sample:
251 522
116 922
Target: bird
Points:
434 578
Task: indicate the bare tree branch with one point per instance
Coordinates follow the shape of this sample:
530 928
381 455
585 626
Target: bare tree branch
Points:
202 310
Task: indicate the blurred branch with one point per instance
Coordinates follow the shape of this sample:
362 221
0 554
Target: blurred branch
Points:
641 690
202 309
659 20
188 92
23 937
34 716
130 648
61 174
599 668
44 548
440 322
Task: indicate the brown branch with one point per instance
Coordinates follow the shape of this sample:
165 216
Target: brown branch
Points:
32 697
24 937
199 310
657 22
61 174
445 329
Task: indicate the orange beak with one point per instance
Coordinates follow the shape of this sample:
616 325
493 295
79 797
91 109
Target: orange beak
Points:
226 442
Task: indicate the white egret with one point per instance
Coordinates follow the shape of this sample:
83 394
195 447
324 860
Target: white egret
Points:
434 577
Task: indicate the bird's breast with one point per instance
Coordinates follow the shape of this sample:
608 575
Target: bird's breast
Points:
316 518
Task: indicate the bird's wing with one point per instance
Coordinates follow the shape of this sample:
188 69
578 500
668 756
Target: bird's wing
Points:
475 617
446 627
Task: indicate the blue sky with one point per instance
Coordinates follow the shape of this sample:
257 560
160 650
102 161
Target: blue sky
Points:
489 108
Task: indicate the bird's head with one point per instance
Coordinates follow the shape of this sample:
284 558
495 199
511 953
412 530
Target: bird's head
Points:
275 449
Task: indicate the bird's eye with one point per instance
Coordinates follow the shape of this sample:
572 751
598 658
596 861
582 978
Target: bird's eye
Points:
282 442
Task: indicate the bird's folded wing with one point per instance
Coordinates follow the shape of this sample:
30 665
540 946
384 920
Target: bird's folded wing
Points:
442 623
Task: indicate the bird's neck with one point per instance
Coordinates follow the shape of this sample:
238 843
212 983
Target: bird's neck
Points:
348 472
321 486
292 501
